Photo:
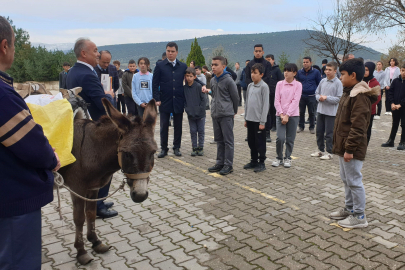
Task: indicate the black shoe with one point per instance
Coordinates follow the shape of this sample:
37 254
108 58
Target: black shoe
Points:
108 205
246 139
177 152
194 152
401 146
260 167
162 154
215 168
226 170
106 213
268 139
300 130
200 151
389 143
250 165
274 129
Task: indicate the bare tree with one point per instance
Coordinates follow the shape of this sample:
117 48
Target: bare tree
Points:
379 14
336 34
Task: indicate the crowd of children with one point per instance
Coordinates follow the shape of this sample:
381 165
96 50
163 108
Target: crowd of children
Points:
345 110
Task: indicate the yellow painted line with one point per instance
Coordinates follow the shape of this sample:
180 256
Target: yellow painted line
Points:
337 225
294 157
268 196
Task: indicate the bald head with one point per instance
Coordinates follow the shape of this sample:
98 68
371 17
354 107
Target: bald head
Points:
86 51
105 59
6 44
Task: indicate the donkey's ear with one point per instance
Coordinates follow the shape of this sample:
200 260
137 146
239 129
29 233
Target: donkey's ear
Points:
116 117
150 114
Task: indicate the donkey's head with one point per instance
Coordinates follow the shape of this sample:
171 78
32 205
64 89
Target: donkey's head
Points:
136 147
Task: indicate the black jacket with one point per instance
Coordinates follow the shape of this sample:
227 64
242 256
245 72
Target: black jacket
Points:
112 72
275 77
62 80
396 94
267 66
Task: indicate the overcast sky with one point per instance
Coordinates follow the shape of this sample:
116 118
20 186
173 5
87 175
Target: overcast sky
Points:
116 22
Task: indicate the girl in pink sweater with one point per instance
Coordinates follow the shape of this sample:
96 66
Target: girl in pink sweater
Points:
286 102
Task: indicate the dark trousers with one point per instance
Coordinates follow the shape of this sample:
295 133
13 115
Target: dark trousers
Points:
164 129
370 126
324 132
271 117
140 110
20 242
103 192
398 116
387 103
256 142
239 93
121 103
223 135
310 103
197 129
131 105
379 105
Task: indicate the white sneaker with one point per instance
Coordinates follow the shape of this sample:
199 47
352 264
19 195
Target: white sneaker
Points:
388 113
317 154
242 114
326 157
287 163
377 117
353 221
277 163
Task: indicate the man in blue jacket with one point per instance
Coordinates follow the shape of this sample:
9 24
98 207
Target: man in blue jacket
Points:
310 79
82 74
167 87
26 164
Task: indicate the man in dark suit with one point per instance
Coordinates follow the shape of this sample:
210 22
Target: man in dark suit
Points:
167 87
82 74
104 67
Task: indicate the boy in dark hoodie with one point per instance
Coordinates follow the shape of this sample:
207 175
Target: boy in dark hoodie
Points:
350 141
127 85
396 98
195 109
224 106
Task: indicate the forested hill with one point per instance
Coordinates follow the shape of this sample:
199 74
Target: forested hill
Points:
238 47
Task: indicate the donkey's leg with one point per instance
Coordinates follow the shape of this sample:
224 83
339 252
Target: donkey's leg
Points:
91 209
78 217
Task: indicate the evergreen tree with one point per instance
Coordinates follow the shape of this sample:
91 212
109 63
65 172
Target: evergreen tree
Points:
282 60
220 51
196 54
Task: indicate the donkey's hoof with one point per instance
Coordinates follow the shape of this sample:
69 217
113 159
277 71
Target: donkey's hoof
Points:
84 259
101 248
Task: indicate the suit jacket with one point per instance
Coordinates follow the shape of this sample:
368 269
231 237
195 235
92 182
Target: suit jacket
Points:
167 86
62 80
112 72
92 91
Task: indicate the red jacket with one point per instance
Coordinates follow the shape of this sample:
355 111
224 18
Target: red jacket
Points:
373 83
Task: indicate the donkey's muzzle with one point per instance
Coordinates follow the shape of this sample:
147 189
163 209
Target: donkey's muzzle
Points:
138 198
139 190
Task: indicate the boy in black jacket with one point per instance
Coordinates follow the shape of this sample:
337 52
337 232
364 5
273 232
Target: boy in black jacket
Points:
396 97
195 109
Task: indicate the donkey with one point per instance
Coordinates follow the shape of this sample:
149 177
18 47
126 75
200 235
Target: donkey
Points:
101 149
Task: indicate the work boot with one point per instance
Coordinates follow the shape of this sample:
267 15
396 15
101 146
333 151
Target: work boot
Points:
200 151
177 152
194 152
226 170
401 146
162 153
389 143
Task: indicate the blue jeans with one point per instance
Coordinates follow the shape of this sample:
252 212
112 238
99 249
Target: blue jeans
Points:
20 242
197 126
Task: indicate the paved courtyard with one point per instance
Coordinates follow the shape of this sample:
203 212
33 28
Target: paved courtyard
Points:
276 219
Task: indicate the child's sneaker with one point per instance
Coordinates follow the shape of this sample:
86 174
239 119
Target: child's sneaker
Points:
194 152
277 163
287 163
327 156
317 154
200 151
354 221
341 214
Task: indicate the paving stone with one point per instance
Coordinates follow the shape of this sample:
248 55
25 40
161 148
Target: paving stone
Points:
193 265
155 256
144 265
179 255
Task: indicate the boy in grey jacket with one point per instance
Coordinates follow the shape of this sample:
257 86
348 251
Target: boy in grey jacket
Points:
328 94
256 109
224 106
195 109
